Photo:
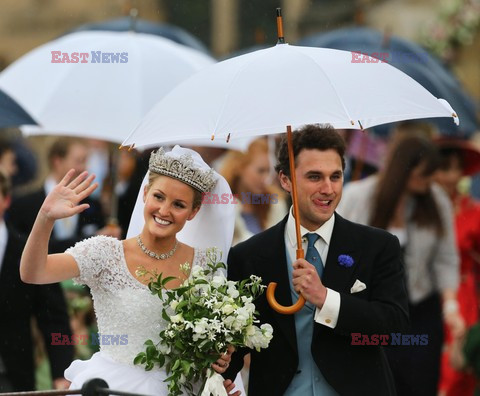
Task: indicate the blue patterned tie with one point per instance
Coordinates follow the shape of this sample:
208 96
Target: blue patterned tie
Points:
313 257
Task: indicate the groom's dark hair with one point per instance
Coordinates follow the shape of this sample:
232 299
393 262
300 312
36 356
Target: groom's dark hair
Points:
311 137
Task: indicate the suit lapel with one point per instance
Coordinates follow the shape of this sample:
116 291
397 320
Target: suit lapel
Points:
336 276
274 263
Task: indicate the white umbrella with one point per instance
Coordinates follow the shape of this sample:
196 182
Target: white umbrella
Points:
270 90
264 91
98 99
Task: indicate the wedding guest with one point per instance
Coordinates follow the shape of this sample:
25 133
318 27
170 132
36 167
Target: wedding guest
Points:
64 154
403 200
248 175
19 304
8 158
459 159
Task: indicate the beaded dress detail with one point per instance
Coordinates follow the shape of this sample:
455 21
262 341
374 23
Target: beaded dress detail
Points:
123 305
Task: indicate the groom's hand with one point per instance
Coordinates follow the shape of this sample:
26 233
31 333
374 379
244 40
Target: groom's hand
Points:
307 282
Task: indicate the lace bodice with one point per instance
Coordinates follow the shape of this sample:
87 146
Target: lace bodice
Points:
125 308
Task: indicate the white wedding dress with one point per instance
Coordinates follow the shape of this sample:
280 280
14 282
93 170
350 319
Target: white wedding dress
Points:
123 307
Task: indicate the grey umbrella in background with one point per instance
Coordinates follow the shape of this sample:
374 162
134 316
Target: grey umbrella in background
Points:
414 61
126 24
12 114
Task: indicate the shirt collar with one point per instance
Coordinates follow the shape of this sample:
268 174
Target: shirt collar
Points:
3 233
49 184
3 239
325 231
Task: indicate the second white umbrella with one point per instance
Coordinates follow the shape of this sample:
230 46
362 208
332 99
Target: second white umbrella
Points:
123 76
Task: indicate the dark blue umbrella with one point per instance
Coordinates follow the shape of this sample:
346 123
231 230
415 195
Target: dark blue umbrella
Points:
412 60
12 114
125 24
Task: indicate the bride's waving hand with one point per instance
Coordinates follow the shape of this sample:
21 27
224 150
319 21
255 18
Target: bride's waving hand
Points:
64 200
36 266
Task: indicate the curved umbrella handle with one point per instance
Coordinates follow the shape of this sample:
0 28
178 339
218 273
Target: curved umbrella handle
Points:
281 308
296 214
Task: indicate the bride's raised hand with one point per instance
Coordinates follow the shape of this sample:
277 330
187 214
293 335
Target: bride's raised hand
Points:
64 200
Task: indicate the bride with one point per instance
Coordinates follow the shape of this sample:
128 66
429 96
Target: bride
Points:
124 307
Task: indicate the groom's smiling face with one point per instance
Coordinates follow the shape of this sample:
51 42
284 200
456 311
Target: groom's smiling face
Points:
319 185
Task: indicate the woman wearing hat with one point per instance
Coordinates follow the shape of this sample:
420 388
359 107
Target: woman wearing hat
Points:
459 159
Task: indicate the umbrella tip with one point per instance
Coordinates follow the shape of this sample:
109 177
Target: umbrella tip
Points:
120 147
281 38
352 122
131 147
228 138
213 137
133 19
361 126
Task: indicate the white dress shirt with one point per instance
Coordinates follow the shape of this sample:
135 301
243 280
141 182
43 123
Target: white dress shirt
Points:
328 314
63 228
3 241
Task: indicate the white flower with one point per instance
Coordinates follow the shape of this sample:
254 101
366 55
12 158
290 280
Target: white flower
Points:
267 330
218 281
176 318
200 327
242 315
185 267
173 304
197 271
233 292
228 309
250 330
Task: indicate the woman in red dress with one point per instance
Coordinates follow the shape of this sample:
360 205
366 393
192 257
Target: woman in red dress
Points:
460 159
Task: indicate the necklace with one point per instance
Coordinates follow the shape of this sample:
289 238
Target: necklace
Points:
162 256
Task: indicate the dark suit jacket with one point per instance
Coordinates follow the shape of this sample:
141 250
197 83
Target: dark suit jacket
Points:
381 308
18 303
24 210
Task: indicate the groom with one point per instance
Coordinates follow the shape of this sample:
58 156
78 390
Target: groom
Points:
352 279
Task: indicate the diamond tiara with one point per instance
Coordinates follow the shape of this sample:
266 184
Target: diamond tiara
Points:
182 168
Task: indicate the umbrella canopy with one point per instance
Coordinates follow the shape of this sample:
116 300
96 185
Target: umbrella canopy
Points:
264 91
270 90
12 114
106 83
125 24
414 61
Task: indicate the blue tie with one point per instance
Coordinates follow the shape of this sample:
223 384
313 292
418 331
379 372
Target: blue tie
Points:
313 257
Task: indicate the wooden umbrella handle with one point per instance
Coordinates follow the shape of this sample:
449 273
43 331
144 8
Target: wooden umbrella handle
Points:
282 308
300 254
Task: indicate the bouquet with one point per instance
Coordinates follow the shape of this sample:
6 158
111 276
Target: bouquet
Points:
205 315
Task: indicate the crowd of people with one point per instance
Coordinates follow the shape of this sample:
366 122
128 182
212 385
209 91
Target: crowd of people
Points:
410 232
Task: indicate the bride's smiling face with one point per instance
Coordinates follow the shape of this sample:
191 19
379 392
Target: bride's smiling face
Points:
169 203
